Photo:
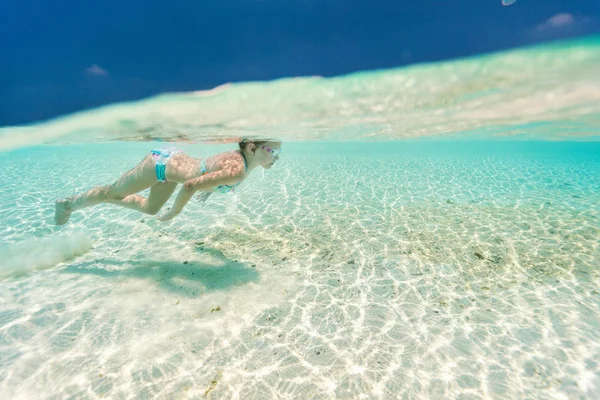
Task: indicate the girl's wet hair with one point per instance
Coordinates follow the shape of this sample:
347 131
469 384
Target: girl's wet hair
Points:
245 142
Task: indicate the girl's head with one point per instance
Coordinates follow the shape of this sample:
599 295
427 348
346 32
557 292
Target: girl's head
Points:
263 152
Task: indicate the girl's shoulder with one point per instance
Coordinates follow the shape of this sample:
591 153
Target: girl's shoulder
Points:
231 160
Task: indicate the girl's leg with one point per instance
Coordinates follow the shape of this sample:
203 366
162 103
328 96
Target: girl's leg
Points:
159 195
139 178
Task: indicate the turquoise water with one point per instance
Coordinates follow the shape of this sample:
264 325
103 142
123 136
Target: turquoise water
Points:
430 232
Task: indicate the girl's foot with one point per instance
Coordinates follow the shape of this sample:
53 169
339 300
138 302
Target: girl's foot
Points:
62 211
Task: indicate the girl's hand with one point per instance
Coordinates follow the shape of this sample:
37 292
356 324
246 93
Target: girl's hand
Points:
202 196
167 216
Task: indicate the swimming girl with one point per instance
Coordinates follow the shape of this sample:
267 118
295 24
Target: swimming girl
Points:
163 169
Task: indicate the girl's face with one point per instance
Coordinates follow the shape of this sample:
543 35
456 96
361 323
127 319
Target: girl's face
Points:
268 153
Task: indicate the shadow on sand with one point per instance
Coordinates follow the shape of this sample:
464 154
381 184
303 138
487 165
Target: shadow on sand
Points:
187 279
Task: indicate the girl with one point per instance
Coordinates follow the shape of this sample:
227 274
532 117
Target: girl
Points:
162 170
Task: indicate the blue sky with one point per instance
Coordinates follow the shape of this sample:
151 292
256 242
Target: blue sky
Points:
59 57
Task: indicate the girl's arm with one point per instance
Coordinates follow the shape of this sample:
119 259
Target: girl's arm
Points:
228 176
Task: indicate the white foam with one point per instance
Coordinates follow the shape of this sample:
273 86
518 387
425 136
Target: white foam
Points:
18 259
